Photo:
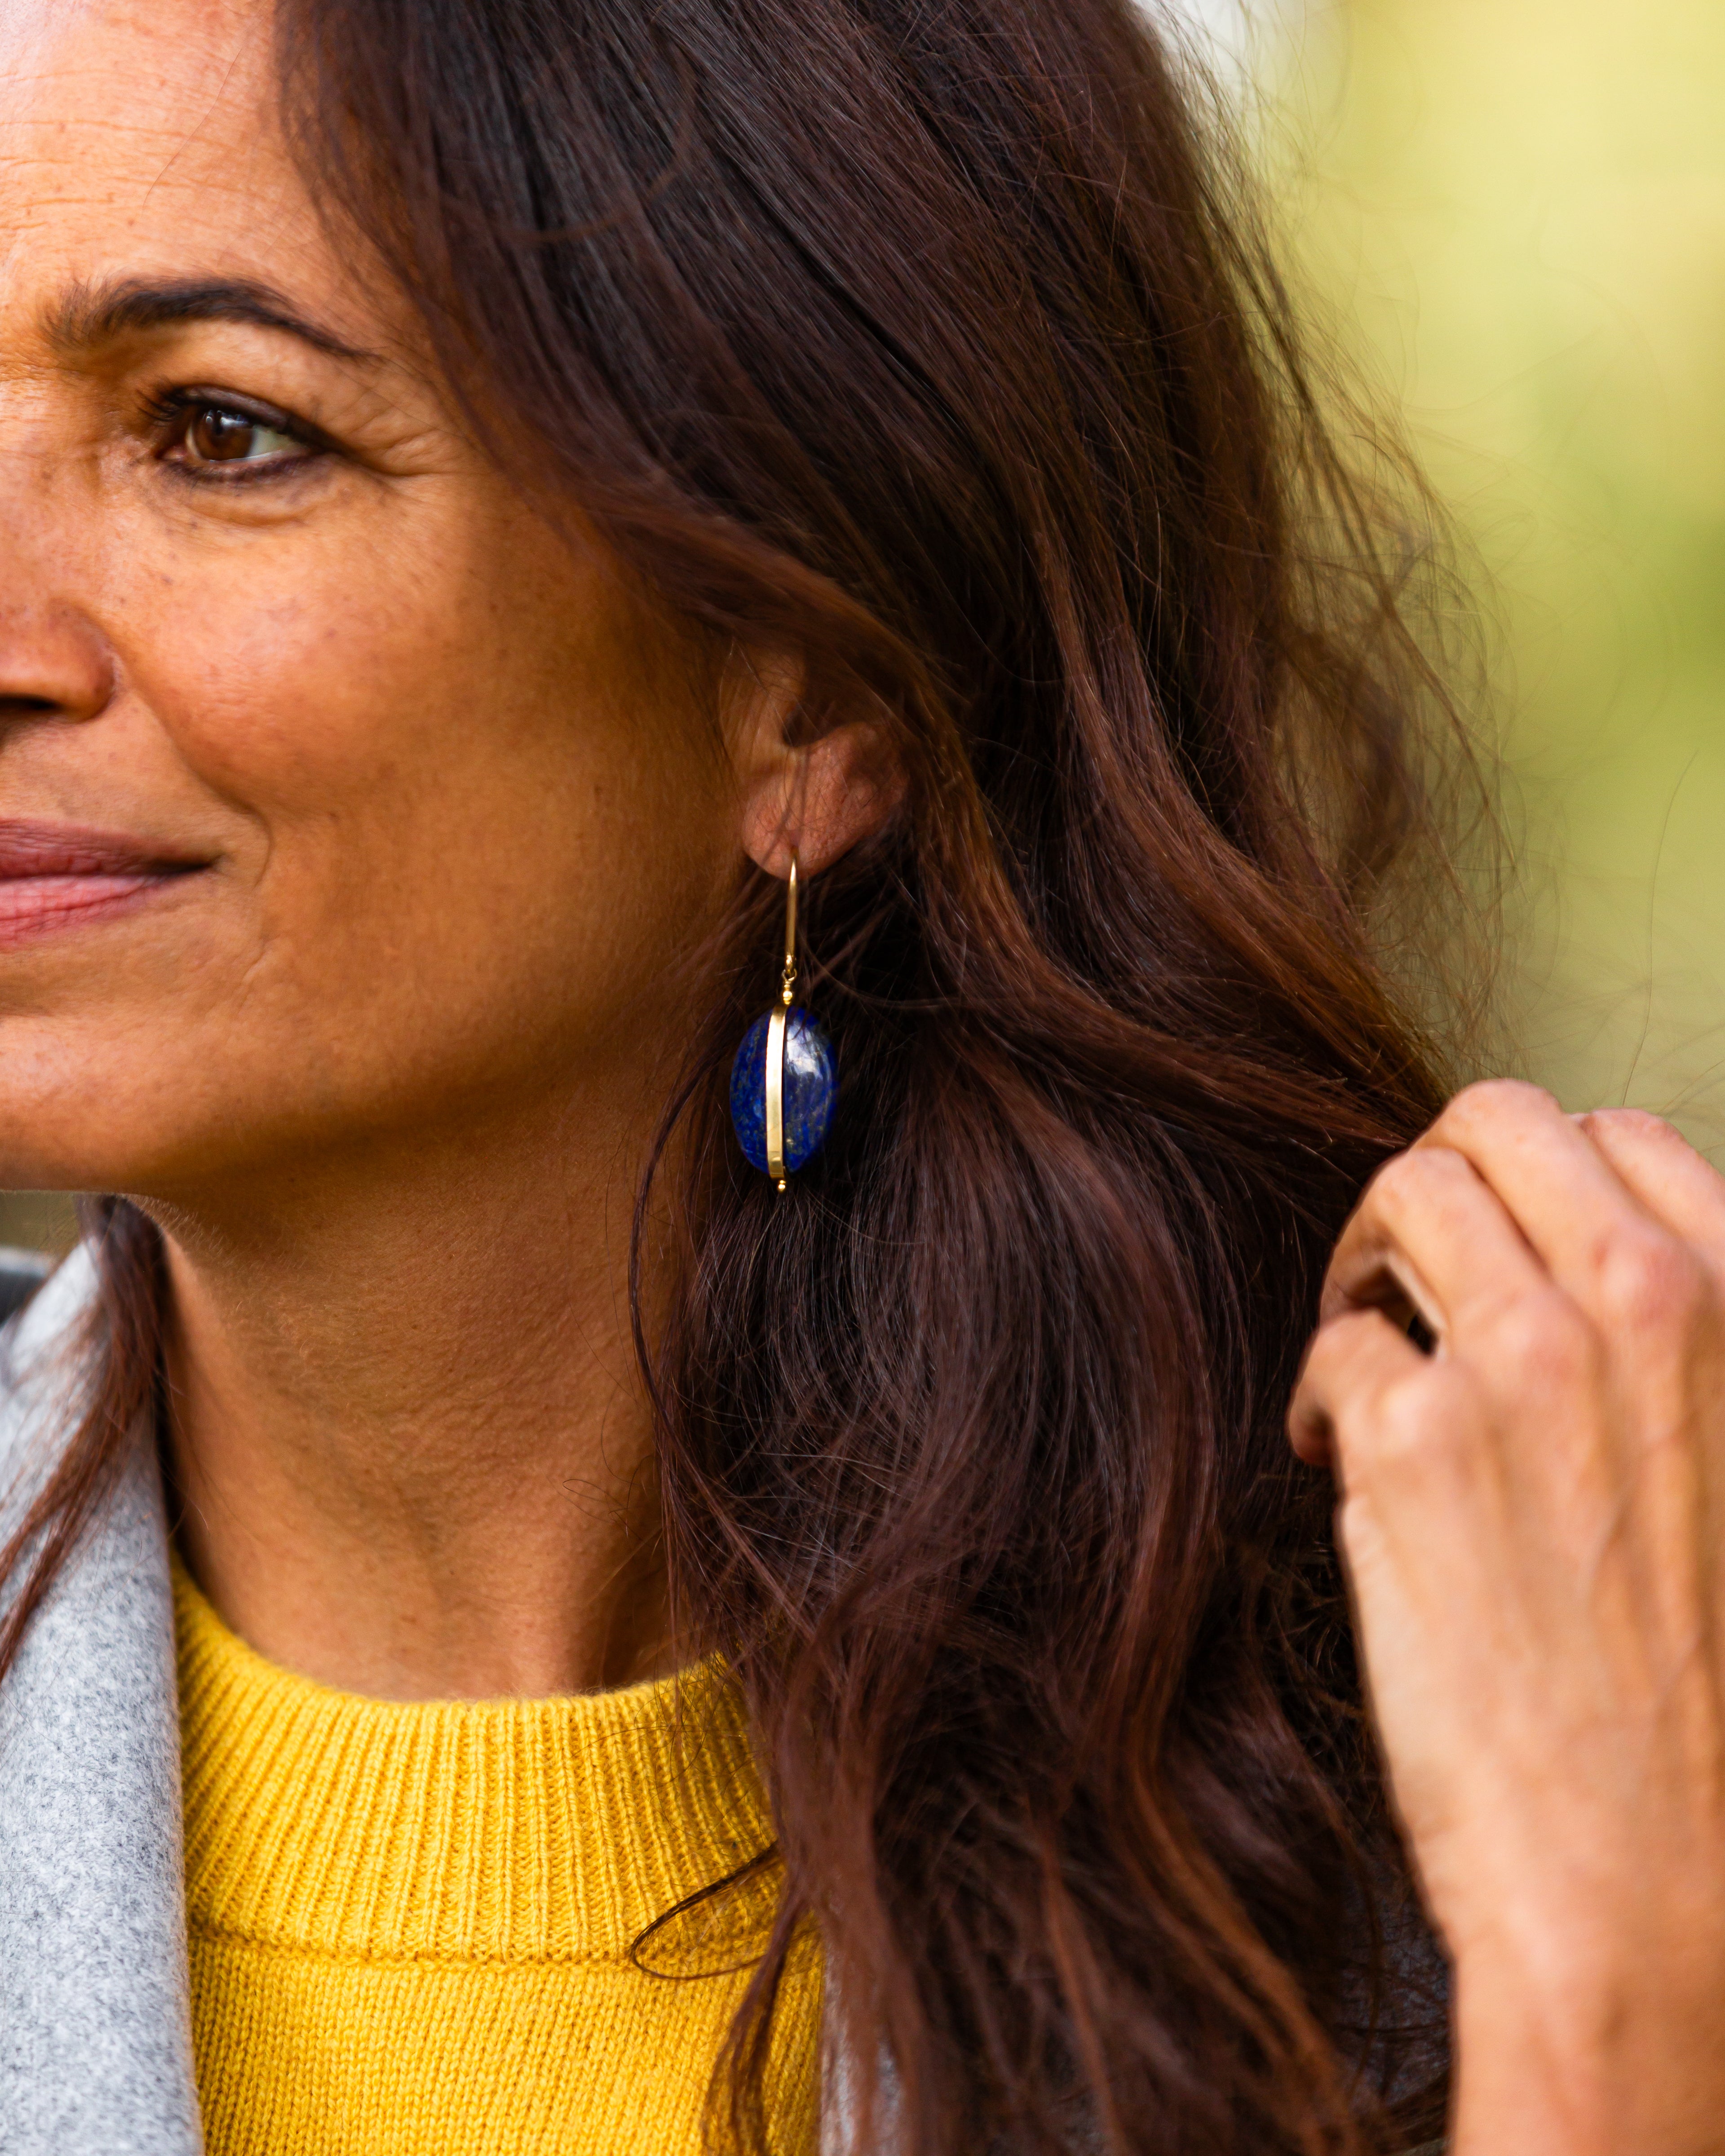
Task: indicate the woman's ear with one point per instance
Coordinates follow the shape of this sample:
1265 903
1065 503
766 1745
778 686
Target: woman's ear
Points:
818 798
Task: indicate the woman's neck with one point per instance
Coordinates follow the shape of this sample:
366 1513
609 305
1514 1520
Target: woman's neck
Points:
411 1451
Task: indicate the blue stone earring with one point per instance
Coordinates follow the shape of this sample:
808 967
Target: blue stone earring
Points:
785 1079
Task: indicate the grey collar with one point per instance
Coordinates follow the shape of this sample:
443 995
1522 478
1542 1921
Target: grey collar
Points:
95 2035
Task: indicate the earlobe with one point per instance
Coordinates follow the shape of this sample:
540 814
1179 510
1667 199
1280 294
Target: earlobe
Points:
823 799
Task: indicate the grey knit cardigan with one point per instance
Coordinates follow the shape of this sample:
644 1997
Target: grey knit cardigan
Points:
95 2036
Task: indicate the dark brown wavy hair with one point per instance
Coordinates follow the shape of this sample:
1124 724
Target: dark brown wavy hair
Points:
938 341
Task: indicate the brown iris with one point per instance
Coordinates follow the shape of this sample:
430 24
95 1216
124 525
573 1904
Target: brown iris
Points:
218 436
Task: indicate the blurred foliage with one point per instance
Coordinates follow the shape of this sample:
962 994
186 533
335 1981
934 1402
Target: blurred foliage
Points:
1516 207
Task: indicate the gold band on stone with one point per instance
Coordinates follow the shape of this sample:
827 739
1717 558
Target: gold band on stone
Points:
775 1096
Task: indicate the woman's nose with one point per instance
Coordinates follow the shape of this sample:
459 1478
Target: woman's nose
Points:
55 661
54 664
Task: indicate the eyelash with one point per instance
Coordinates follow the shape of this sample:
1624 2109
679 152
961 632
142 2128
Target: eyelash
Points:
171 413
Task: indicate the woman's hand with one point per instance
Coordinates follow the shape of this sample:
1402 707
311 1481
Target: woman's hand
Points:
1531 1515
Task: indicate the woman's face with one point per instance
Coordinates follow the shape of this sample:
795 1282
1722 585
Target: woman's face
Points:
339 796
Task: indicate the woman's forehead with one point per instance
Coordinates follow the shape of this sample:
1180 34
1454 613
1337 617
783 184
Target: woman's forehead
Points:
163 77
138 143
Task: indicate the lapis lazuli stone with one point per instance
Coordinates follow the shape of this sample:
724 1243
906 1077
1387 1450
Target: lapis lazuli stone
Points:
811 1086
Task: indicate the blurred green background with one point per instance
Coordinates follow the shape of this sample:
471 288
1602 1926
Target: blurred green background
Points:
1514 210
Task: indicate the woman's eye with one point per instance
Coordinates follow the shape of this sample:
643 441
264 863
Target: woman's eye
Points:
221 435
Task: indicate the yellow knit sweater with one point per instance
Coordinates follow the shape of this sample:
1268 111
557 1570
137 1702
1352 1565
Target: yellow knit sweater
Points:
411 1925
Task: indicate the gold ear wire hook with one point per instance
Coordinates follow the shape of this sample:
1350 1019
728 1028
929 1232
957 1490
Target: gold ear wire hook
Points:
790 929
775 1036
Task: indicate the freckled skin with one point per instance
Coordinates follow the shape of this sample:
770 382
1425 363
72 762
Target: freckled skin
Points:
385 1068
426 740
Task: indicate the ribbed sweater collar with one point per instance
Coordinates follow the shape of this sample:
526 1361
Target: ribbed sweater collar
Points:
95 2040
500 1830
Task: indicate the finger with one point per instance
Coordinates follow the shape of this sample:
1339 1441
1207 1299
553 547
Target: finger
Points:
1559 1188
1430 1234
1352 1362
1665 1175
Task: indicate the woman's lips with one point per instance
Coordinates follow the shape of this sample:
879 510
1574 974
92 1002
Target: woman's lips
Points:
56 874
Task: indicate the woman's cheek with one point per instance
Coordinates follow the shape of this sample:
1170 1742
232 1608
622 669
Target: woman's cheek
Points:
280 688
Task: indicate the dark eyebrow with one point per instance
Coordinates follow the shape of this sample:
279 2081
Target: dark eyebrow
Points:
92 316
